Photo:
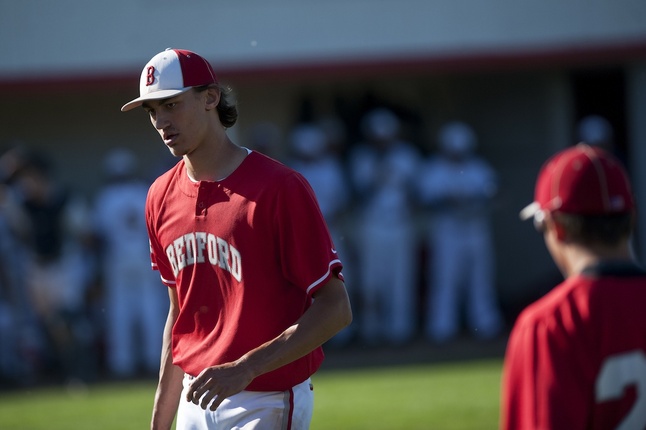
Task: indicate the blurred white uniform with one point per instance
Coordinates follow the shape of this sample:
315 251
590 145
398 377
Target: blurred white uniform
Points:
314 159
134 298
382 171
457 187
322 169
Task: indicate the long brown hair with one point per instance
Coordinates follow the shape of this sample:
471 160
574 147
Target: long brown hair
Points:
227 109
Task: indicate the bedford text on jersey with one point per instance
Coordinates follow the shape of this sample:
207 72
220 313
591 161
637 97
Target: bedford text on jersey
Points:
202 247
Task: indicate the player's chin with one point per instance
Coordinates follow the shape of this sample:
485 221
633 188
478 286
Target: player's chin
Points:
177 152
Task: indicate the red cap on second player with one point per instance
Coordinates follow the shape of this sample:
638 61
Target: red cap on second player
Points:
582 180
169 73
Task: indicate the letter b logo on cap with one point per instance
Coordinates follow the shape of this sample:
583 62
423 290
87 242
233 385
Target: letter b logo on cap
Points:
150 76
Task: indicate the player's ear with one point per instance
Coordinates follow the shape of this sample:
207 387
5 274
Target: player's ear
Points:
552 223
561 233
212 97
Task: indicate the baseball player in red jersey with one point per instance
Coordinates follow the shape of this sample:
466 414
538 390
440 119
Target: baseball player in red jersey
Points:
254 281
576 358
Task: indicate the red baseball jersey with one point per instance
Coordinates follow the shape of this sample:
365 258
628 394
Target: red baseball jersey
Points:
245 254
576 358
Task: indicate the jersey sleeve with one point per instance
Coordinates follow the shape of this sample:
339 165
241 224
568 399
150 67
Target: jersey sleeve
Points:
307 254
158 259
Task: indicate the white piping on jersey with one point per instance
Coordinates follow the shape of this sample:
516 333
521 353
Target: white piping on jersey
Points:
322 278
167 281
164 281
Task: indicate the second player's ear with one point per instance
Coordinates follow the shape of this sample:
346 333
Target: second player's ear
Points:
560 231
552 224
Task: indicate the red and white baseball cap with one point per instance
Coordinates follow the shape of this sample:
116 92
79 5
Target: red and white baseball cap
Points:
581 180
169 73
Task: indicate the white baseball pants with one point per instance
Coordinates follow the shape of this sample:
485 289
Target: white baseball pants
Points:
251 410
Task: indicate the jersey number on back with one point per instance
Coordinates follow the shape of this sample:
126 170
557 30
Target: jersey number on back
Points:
619 372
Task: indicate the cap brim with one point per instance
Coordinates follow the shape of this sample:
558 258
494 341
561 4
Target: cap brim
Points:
529 211
157 95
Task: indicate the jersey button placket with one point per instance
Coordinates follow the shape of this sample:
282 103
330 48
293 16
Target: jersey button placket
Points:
200 208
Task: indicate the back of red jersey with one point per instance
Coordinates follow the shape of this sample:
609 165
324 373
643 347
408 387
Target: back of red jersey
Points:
576 359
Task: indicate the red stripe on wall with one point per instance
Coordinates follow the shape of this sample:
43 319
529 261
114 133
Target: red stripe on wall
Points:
335 68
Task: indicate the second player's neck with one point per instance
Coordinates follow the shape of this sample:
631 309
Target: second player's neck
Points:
579 258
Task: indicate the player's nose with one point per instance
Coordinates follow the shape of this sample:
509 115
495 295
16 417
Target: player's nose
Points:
160 121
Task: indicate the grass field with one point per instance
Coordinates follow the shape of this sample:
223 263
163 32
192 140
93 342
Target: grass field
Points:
447 396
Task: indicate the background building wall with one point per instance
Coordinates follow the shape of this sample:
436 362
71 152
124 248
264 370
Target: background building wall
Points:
38 36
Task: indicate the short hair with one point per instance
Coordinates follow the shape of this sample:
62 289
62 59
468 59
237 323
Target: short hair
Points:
604 230
227 109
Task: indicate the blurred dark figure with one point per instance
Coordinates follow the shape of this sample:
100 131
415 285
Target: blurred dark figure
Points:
18 334
58 271
596 130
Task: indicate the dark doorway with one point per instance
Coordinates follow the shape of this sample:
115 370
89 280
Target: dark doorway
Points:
602 92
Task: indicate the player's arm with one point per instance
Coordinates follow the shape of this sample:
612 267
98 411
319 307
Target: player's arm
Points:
169 388
329 313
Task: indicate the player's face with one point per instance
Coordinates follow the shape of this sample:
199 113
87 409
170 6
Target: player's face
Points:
181 121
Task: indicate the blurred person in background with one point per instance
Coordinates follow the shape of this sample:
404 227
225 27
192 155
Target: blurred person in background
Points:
382 169
457 188
18 328
9 354
58 271
596 130
312 154
134 303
